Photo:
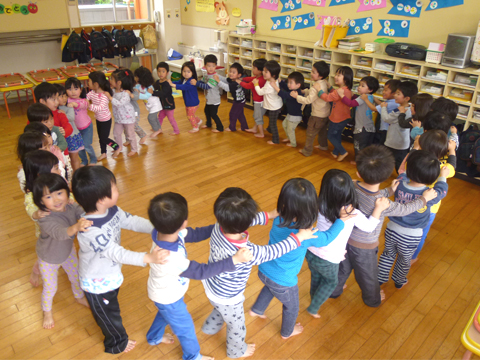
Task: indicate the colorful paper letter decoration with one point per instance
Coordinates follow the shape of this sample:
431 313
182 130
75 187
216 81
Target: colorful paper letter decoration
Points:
366 5
281 22
440 4
360 26
341 2
327 20
269 5
410 8
315 2
394 28
304 21
289 5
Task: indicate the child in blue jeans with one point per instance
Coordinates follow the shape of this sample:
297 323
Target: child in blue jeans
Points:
168 283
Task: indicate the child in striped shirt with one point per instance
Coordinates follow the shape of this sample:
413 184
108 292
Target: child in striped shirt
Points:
236 211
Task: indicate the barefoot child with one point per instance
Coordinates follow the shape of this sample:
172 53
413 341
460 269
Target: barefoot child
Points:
258 109
236 211
168 283
55 247
163 91
101 254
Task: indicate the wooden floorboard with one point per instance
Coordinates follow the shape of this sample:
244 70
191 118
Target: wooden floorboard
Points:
424 320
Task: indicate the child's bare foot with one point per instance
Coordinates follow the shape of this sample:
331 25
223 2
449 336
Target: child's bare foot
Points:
228 129
382 295
194 130
316 316
131 344
48 322
250 350
335 156
101 157
317 146
344 286
126 143
203 127
173 134
254 314
207 358
156 133
271 142
353 162
290 144
83 301
413 261
131 153
341 157
34 279
143 140
301 152
117 152
298 329
253 130
215 131
167 339
258 135
285 140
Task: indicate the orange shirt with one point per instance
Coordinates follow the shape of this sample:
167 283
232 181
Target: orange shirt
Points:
340 111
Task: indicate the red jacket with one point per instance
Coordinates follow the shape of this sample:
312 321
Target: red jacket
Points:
247 84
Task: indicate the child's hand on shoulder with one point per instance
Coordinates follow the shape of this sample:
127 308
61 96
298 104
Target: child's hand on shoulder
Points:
294 94
382 203
341 92
401 109
305 234
82 225
62 130
444 171
317 86
255 82
216 78
415 123
384 104
150 90
72 105
364 97
416 143
61 111
452 146
193 82
272 214
394 185
429 194
39 214
243 255
157 256
346 213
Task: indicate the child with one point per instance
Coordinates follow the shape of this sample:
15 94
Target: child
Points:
189 93
271 101
336 193
134 97
318 121
74 141
419 108
235 211
77 99
100 87
212 92
388 95
163 91
375 164
450 109
168 283
364 131
47 94
232 84
403 234
340 114
144 79
123 111
297 208
295 83
55 247
258 109
398 138
101 255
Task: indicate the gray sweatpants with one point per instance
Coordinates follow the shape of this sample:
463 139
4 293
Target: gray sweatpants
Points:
153 121
234 316
258 113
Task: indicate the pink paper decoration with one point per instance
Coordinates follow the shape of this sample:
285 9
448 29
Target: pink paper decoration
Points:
366 5
269 5
315 2
322 18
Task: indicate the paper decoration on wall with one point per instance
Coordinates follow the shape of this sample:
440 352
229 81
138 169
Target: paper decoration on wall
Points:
341 2
304 21
440 4
315 2
31 8
366 5
281 22
394 28
222 14
410 8
289 5
327 20
236 12
205 5
360 26
269 5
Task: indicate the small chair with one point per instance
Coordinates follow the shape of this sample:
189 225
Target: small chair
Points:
471 335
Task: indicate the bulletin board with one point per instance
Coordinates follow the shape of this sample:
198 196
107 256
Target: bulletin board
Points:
31 15
430 26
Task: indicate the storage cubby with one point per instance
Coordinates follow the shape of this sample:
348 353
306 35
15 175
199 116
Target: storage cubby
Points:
362 62
385 66
304 64
259 54
433 74
246 52
463 80
258 44
436 90
459 94
360 73
324 55
305 53
274 47
408 70
289 61
273 56
341 59
289 49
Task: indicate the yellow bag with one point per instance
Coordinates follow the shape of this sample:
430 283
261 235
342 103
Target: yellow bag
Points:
149 37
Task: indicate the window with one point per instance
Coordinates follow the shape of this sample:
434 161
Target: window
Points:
113 11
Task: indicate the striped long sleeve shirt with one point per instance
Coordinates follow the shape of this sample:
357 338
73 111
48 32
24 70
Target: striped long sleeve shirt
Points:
99 106
227 288
366 204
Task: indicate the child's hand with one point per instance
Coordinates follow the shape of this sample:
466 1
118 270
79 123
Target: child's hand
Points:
40 214
382 203
394 185
341 92
452 146
255 82
239 81
445 171
429 194
346 213
107 94
157 256
243 255
193 82
216 78
272 214
453 129
150 90
364 97
72 105
83 224
416 123
384 104
305 234
401 109
317 87
62 130
294 94
416 143
61 111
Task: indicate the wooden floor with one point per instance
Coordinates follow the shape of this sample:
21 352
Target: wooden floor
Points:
423 320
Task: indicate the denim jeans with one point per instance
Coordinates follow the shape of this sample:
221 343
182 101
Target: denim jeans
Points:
287 295
87 136
177 316
424 235
335 136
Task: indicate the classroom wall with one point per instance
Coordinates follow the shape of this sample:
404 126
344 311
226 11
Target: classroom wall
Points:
431 26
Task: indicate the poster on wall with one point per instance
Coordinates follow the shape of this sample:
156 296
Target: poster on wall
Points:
341 2
360 26
315 2
304 21
440 4
394 28
366 5
327 20
411 8
289 5
281 22
205 5
269 5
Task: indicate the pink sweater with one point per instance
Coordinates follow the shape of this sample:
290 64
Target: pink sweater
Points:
82 119
99 106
